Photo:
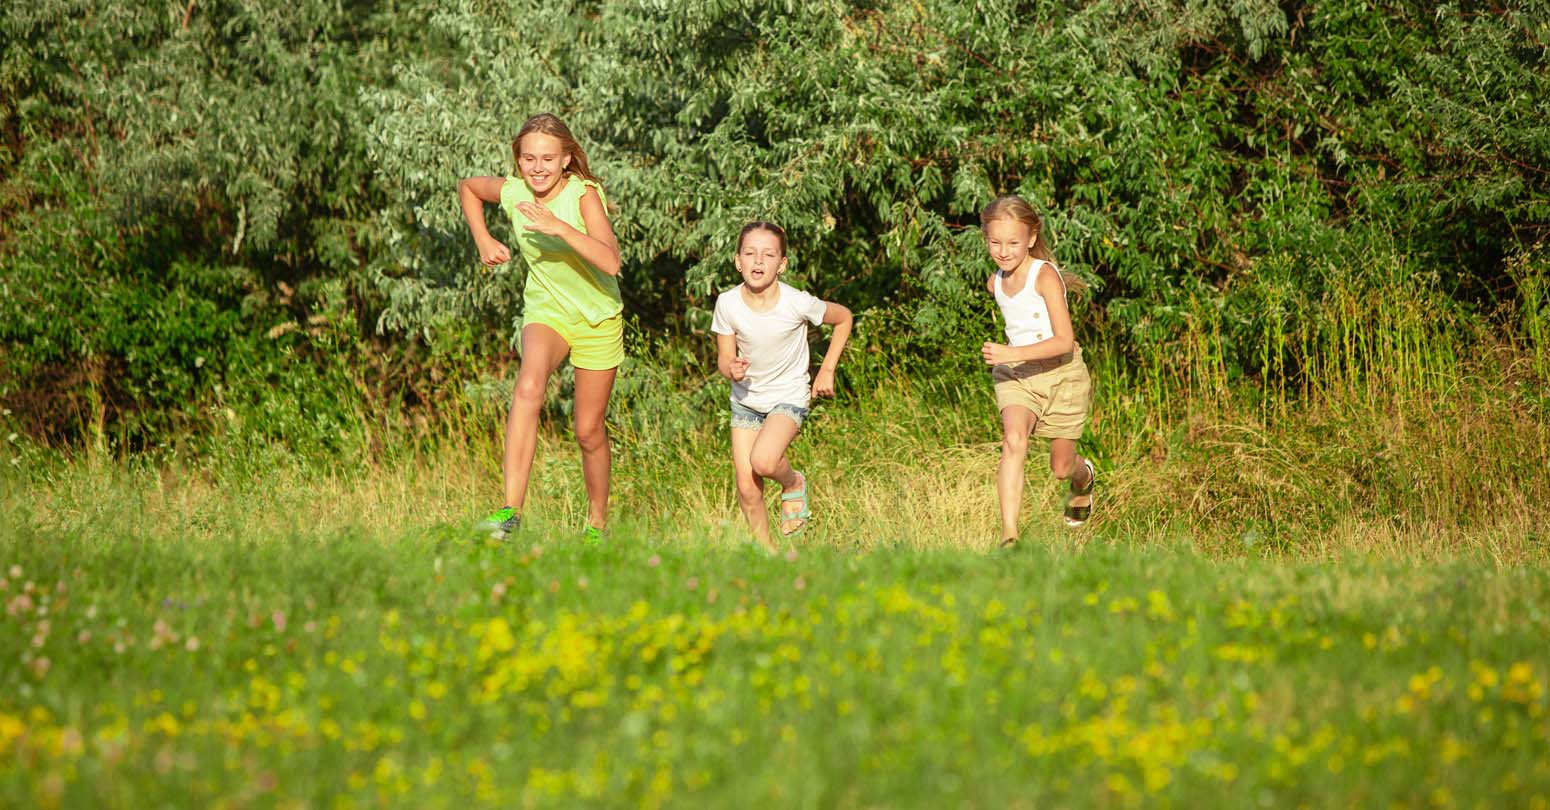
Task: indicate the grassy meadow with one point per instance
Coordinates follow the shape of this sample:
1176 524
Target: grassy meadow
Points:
1334 599
253 376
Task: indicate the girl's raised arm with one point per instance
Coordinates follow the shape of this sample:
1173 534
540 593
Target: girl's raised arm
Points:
597 246
600 230
840 318
728 363
473 193
1049 285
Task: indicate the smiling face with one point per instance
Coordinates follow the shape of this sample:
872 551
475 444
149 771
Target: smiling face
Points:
760 259
542 160
1008 241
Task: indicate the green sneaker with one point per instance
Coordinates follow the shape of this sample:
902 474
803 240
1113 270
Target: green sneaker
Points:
501 524
593 535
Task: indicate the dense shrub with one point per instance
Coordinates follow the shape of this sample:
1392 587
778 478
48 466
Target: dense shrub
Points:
178 182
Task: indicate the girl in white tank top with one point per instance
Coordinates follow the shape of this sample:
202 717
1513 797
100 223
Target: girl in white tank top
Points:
1042 385
1026 313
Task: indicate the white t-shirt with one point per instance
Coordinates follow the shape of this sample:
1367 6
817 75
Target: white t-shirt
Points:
775 343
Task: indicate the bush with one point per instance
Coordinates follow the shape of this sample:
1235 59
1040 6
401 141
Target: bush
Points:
1213 168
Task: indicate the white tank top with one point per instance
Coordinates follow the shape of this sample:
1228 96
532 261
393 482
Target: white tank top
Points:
1026 314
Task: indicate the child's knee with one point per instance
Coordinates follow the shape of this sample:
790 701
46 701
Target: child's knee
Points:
749 488
529 392
766 464
1014 444
591 436
1062 468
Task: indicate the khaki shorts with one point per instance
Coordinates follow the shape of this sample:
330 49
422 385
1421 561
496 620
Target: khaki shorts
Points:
596 348
1058 392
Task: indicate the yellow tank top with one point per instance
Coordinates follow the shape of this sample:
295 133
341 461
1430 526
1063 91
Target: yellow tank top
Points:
559 281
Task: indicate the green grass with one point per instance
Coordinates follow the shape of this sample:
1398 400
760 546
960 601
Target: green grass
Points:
427 669
1334 597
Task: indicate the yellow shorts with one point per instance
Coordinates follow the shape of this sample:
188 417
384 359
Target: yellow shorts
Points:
596 348
1059 392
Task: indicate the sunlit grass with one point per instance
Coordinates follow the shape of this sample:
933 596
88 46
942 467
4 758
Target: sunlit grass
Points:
430 668
1333 594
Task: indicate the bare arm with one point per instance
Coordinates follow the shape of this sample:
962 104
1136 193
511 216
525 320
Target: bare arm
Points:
597 246
728 363
1047 284
473 193
840 318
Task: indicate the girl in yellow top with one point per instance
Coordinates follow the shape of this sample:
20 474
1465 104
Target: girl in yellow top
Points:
571 303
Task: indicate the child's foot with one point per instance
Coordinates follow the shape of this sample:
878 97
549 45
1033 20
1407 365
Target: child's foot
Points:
793 508
766 546
501 524
1007 543
593 535
1079 504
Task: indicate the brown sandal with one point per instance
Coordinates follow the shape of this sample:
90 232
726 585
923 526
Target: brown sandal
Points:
1077 515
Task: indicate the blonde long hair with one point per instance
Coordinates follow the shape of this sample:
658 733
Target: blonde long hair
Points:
550 124
1011 206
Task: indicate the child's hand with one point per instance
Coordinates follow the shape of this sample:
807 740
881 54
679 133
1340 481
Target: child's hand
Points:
540 219
996 354
823 384
493 252
739 368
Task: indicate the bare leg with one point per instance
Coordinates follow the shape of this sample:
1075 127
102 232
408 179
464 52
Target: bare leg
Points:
593 388
769 461
750 487
1016 425
542 352
1067 465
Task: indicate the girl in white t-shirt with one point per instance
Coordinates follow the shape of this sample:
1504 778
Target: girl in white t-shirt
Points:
761 346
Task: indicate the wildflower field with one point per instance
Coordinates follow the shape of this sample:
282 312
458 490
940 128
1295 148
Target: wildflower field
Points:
253 378
192 642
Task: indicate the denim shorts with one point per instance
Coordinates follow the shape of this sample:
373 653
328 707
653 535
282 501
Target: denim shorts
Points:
746 418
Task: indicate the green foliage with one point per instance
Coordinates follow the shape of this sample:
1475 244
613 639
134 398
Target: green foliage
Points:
1531 273
1214 168
1174 148
183 181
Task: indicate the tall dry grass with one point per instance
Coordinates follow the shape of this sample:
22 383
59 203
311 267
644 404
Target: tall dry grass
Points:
1380 424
